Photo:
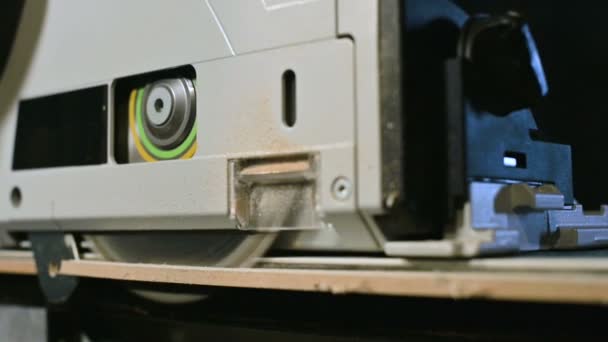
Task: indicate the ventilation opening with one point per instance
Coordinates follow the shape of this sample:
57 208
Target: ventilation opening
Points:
514 159
16 197
289 98
66 129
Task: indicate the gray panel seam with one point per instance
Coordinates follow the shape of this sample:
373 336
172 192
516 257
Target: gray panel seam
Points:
219 24
281 5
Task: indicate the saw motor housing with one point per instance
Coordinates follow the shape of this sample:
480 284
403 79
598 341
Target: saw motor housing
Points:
308 121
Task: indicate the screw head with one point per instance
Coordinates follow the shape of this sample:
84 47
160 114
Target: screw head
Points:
341 188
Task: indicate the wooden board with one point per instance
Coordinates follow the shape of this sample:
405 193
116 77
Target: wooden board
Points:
522 286
522 279
17 264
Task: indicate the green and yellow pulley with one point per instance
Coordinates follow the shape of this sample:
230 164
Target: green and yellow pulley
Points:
162 120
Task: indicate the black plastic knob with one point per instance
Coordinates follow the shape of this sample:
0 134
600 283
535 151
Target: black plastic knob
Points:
503 67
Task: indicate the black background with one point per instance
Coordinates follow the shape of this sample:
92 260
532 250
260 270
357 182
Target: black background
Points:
572 38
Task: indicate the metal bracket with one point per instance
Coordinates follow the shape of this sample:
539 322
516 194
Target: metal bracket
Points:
50 249
523 196
575 228
271 194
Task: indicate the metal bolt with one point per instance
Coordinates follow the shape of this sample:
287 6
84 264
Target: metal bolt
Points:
341 188
159 105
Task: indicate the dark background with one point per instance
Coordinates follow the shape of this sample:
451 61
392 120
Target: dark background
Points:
105 311
572 38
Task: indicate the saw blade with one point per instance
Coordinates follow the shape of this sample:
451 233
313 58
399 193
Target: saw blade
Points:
201 248
207 248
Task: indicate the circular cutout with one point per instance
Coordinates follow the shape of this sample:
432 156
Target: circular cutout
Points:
16 197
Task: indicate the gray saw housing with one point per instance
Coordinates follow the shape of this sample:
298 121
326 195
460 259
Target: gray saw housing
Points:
303 130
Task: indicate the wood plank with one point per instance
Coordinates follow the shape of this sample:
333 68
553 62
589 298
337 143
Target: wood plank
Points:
521 264
521 286
22 266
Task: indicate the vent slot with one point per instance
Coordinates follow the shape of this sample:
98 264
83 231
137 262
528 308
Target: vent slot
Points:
67 129
514 160
289 98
